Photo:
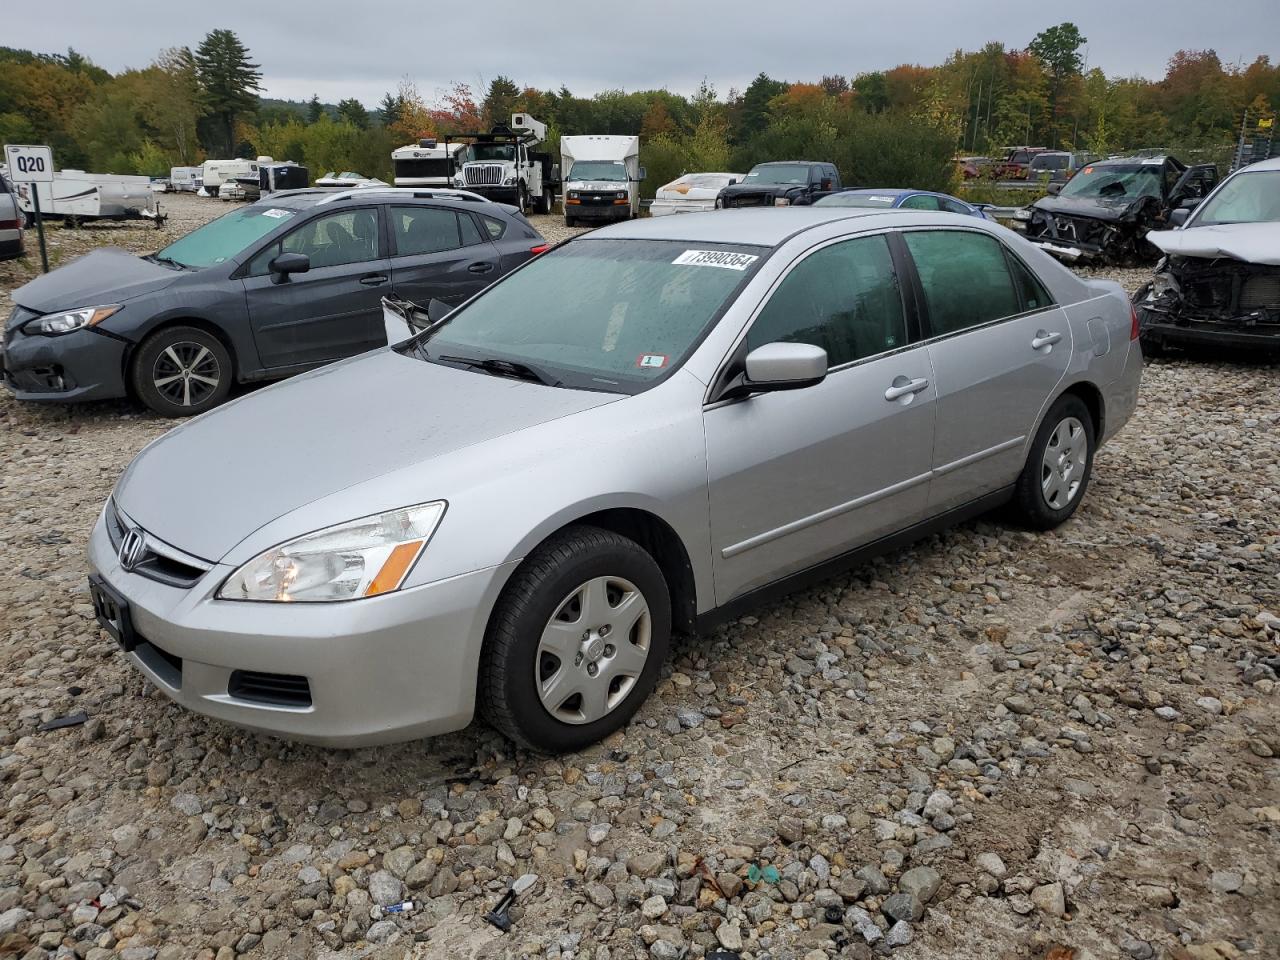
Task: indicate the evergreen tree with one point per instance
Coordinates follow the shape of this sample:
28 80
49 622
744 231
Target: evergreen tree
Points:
500 101
353 111
391 109
315 109
229 84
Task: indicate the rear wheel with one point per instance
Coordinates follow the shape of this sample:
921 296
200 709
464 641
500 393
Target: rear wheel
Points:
544 202
1058 467
181 371
576 641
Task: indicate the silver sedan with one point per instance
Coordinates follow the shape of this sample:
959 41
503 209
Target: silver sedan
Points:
643 432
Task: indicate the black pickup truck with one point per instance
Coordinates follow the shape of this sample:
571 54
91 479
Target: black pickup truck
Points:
783 183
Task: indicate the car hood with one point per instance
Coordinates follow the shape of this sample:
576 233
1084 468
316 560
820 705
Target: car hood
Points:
677 194
1250 242
206 485
110 275
1096 208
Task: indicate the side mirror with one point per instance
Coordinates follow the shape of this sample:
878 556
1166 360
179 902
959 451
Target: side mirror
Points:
1190 203
732 181
1178 216
1054 189
643 174
437 309
779 366
287 263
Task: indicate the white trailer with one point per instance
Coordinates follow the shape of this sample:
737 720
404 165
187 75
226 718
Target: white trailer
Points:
186 179
602 175
215 173
75 195
504 166
429 164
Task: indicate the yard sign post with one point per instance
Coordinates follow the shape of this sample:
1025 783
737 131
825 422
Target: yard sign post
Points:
32 165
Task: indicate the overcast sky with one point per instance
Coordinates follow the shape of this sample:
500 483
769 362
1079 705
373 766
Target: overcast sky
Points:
361 48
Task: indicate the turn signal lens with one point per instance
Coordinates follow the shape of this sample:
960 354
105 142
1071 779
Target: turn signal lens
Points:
1133 322
540 248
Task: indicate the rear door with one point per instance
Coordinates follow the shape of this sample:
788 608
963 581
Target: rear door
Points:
334 310
439 253
999 348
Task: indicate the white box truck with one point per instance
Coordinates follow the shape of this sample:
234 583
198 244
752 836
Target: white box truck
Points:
428 164
602 175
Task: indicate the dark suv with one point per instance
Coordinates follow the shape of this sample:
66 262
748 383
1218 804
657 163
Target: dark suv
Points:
269 290
781 184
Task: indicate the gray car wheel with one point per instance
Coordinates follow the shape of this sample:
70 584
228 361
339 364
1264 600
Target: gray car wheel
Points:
182 371
1059 463
576 641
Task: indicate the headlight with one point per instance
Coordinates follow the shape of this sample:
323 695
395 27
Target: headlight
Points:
621 195
1023 213
573 194
510 180
362 558
58 323
781 202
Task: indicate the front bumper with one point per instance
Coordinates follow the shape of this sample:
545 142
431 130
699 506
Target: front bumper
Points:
509 195
378 670
82 365
1207 333
10 244
1068 252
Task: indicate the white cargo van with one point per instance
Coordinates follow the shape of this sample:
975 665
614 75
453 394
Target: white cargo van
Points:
602 175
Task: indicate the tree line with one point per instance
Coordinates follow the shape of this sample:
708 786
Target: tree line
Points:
900 126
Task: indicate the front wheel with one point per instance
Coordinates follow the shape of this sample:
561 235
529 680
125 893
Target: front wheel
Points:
576 641
1056 474
544 202
181 371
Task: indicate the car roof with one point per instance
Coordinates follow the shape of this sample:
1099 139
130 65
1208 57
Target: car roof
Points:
764 226
1272 164
307 197
792 163
882 192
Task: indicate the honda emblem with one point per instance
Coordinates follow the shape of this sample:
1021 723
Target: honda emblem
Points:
132 548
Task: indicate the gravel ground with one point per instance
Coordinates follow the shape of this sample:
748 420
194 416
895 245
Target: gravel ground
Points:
1057 746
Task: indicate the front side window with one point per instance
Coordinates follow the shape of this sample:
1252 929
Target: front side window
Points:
965 278
420 230
1245 198
597 313
843 298
225 237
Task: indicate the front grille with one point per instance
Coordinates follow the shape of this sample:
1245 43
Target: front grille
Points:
155 562
598 199
749 200
274 689
483 174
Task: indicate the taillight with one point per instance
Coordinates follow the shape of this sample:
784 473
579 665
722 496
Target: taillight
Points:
9 225
540 248
1133 322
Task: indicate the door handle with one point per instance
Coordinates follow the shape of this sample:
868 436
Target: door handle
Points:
1044 339
373 279
480 267
903 387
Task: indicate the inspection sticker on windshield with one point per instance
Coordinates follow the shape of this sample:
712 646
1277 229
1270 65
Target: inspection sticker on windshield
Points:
716 258
275 213
652 360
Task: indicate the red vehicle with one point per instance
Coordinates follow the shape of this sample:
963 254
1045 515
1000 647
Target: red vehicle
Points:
1016 162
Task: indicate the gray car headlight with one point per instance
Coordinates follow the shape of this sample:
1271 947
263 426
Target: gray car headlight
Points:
361 558
56 324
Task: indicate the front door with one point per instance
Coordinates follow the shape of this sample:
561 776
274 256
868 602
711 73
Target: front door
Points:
999 348
440 254
334 310
801 476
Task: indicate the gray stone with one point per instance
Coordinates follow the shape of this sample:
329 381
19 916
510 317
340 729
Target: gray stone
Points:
1050 899
384 931
923 882
992 864
903 906
1225 881
899 934
385 888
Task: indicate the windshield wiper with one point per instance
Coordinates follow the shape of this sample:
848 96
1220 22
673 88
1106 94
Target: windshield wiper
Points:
155 258
505 368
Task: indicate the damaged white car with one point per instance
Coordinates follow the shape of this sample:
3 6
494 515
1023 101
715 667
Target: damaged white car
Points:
1219 281
691 193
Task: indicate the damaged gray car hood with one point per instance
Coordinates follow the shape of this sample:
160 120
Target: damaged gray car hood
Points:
1250 242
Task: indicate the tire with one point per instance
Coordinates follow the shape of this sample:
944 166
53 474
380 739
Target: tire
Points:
1057 471
570 221
522 198
158 377
544 202
530 689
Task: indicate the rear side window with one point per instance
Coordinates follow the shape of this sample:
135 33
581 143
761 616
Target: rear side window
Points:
495 228
843 298
965 278
920 201
1033 293
420 230
953 206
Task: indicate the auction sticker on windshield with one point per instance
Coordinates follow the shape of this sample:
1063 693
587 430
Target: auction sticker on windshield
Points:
277 213
716 258
652 360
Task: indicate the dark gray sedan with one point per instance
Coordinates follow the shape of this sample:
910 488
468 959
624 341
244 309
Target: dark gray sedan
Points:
268 290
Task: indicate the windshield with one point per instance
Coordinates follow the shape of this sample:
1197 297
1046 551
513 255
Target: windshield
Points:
613 170
1128 180
1245 198
1050 161
855 200
225 237
491 151
779 173
638 309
